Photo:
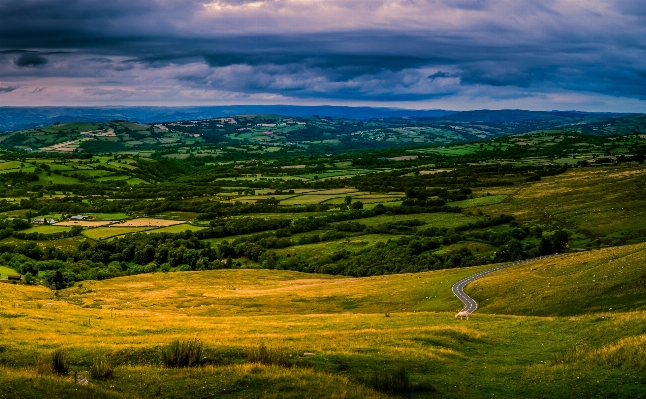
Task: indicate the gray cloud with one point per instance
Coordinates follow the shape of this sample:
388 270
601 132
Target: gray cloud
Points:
30 60
8 89
361 50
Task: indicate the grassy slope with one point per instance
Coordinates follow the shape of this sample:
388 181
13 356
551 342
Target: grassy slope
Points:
4 271
341 320
606 280
597 201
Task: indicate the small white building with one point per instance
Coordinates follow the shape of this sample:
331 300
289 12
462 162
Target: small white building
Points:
78 217
43 221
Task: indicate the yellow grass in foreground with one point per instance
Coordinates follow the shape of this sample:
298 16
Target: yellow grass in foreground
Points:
327 323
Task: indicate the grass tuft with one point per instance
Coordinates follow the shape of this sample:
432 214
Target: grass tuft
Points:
102 369
269 356
60 363
392 382
183 353
43 366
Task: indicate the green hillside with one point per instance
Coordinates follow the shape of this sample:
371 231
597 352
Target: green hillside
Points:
605 281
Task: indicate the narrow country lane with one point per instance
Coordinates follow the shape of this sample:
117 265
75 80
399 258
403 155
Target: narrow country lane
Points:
458 288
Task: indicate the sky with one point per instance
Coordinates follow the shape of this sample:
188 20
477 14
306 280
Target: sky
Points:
587 55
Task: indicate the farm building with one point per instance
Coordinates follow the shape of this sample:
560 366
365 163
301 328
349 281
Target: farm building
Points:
14 277
43 221
78 217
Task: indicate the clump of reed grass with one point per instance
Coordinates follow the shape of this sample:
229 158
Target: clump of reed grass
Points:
102 369
392 382
60 362
183 353
269 356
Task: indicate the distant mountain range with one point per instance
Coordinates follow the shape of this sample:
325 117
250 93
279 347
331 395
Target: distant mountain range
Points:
16 118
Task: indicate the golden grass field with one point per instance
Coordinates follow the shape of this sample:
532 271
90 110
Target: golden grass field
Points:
148 222
338 331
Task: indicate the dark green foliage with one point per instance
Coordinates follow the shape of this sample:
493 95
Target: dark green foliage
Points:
181 353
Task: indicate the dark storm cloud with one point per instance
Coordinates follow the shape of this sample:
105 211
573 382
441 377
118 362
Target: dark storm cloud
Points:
362 49
8 89
30 60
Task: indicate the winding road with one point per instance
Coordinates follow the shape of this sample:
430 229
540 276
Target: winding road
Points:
458 288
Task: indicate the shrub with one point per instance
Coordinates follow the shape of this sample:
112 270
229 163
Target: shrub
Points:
393 382
183 353
60 362
102 369
269 356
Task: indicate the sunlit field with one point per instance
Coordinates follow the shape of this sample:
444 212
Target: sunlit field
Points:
337 333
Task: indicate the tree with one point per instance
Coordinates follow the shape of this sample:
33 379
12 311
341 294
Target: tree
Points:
56 281
545 246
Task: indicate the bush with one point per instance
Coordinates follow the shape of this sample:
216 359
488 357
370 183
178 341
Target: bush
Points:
102 369
269 356
393 382
60 362
183 353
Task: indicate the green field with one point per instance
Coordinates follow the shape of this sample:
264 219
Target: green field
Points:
329 247
178 228
4 271
392 203
47 229
609 280
480 201
445 220
115 178
109 216
308 199
336 173
101 233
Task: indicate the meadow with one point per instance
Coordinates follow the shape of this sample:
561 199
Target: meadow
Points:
337 332
442 220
